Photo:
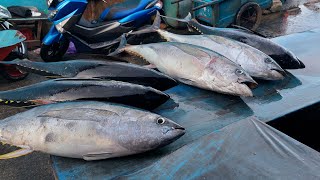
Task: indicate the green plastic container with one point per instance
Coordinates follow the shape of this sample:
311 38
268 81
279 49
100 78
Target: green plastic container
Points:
178 10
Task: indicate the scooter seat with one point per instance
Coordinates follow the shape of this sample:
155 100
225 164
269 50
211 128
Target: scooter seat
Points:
121 10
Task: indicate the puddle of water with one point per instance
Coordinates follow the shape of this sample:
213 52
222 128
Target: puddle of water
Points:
300 19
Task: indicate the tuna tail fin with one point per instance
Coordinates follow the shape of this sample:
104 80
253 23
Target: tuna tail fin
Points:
122 45
187 19
15 154
153 28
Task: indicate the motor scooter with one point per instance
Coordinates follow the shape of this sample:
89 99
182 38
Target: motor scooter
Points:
10 40
97 36
20 51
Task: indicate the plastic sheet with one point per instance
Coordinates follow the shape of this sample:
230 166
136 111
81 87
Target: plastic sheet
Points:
220 140
248 149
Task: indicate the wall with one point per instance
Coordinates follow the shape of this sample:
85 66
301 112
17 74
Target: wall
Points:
40 4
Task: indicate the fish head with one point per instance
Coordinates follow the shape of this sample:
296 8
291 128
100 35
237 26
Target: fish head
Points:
167 130
229 78
287 60
261 66
295 61
273 70
150 131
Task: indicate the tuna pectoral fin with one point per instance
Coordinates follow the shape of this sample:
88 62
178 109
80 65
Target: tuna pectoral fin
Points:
150 66
187 81
97 156
15 154
248 30
40 102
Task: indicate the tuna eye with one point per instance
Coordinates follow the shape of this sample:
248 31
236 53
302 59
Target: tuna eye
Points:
239 71
268 60
160 121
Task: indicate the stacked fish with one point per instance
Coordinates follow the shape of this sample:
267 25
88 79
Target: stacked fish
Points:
223 61
85 112
79 117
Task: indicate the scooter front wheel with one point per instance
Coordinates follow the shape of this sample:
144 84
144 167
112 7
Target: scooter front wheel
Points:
11 73
55 51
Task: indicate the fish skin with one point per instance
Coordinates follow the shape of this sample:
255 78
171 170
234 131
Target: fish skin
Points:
60 90
88 130
285 58
86 69
253 61
194 65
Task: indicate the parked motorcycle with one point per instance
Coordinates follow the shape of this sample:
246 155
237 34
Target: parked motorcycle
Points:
21 50
97 36
11 47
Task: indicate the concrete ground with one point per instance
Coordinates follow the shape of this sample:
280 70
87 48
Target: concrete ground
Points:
37 165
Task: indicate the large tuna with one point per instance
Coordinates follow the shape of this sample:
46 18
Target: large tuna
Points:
98 69
253 61
59 90
88 130
285 58
194 65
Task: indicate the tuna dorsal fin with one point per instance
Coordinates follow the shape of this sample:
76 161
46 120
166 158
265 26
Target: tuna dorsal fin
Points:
195 51
122 45
97 156
15 154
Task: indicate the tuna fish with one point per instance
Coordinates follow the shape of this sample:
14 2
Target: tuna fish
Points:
253 61
98 69
194 65
87 130
59 90
285 58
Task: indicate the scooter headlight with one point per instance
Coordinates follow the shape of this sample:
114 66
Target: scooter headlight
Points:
155 3
159 4
4 13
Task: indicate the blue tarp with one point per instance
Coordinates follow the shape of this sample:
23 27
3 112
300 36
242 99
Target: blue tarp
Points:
223 139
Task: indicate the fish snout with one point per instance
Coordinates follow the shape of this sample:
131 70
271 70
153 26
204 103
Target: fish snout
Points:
301 63
177 127
247 80
276 72
177 130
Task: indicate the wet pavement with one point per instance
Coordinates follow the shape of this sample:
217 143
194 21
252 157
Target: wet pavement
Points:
37 165
295 20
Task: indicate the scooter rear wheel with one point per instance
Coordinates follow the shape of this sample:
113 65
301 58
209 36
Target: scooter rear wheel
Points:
55 51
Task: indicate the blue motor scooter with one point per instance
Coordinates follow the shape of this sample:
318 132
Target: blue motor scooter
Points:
97 36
